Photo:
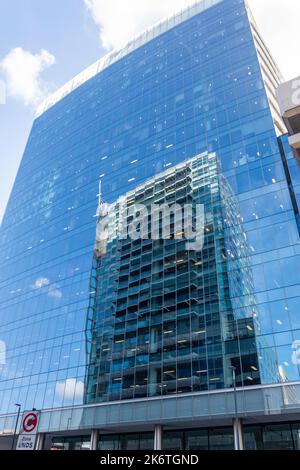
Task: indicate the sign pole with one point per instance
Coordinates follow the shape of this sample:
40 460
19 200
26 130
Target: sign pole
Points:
16 426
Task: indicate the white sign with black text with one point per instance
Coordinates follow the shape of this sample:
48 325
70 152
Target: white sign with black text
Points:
27 437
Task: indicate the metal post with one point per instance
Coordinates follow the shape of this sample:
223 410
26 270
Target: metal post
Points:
158 435
238 434
94 439
268 403
237 423
234 391
16 426
40 442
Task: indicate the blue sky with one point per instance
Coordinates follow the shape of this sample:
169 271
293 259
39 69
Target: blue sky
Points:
62 27
48 42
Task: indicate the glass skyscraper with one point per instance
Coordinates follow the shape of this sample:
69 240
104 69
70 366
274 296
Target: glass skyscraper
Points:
139 343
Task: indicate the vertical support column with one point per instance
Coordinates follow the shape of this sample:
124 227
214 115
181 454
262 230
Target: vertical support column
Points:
238 434
39 445
94 439
158 437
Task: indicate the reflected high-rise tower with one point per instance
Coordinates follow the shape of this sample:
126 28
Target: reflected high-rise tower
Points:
164 319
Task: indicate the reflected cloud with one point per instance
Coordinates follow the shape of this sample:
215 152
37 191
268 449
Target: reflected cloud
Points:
53 290
2 353
55 293
70 389
296 352
41 282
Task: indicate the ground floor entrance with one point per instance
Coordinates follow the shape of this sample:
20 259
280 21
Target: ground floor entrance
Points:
271 436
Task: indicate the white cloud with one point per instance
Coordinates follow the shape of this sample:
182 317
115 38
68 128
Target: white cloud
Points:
120 20
70 389
2 92
22 71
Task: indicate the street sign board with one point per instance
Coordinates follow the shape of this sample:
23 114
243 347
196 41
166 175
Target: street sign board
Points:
27 437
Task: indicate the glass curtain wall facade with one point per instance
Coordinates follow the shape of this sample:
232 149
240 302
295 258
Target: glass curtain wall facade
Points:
204 86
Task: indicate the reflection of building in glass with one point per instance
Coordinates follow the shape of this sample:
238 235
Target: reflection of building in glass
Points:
164 319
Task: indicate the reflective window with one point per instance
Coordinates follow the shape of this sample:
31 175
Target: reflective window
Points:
221 439
71 443
272 437
278 437
139 441
199 439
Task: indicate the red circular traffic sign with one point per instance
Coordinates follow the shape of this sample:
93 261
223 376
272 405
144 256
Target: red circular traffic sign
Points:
30 422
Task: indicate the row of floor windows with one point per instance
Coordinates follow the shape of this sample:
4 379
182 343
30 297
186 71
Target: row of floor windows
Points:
259 437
